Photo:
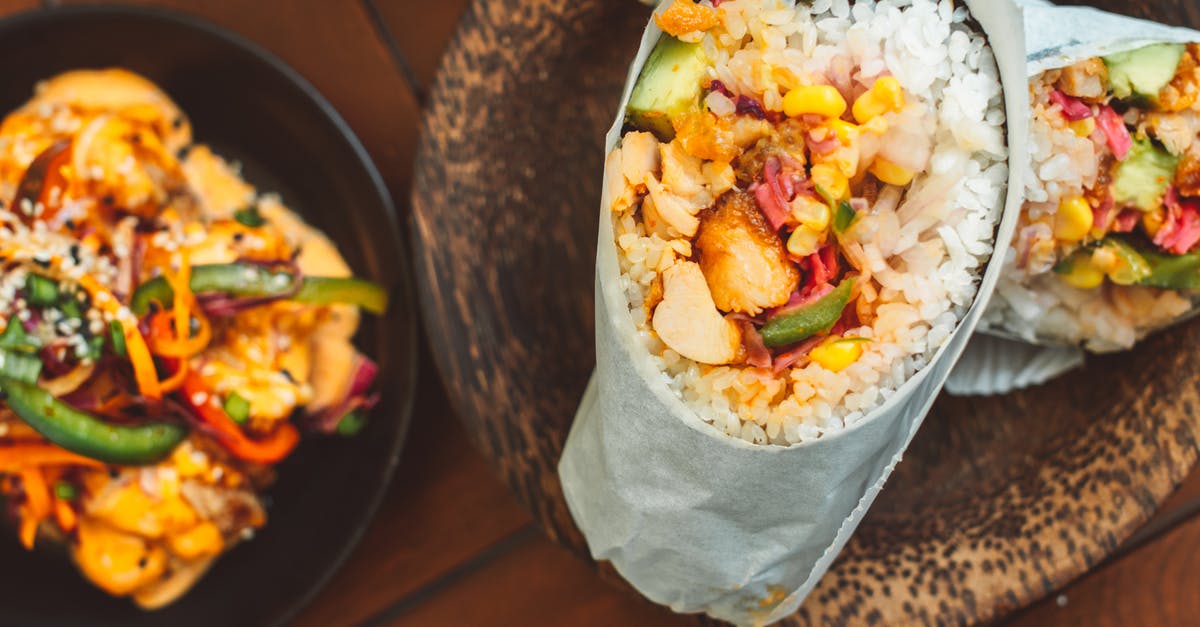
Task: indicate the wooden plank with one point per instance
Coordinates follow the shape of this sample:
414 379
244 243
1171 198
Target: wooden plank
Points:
536 583
1155 585
336 46
14 6
445 505
421 30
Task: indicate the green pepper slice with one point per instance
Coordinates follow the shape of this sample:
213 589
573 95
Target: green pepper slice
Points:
87 435
253 281
809 320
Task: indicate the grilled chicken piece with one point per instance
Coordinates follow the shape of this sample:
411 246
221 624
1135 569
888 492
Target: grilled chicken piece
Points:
786 143
1183 90
743 260
688 322
1187 177
1084 79
1175 130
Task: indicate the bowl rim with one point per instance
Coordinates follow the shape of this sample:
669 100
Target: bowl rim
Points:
402 287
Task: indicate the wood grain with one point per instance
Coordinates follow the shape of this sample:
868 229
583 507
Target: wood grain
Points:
535 584
421 31
444 507
333 45
998 503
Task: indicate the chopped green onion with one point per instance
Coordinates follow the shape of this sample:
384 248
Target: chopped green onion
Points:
352 423
249 217
65 491
70 308
96 347
41 291
237 407
15 338
117 333
843 217
21 367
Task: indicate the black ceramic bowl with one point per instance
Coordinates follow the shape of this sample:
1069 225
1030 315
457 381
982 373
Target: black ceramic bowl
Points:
250 107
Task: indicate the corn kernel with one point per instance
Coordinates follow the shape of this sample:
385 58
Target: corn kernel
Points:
831 179
1152 221
1073 220
845 131
836 353
803 242
891 173
819 99
885 95
812 213
1084 276
1084 127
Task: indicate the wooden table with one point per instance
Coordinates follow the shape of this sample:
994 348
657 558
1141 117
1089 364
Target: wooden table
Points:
449 545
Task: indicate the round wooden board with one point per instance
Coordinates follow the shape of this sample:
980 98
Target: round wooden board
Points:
999 501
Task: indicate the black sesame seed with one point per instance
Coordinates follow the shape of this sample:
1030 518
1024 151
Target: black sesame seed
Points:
287 374
237 237
75 252
108 199
113 473
142 562
183 152
177 122
137 138
70 224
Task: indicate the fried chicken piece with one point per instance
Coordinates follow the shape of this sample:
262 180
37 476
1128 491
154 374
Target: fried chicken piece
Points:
743 260
1085 79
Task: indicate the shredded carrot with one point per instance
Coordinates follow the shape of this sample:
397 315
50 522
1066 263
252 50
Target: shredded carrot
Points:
36 492
161 342
29 526
64 514
135 345
16 458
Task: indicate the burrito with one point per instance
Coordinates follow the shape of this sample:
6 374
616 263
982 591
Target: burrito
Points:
1106 249
802 204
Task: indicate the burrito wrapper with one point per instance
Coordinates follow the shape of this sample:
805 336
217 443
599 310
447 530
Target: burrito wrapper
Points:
705 522
1055 37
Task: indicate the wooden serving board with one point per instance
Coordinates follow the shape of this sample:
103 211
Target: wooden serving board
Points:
999 501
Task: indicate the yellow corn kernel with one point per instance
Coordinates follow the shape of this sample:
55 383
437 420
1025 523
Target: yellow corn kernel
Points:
1084 127
1104 260
836 353
803 242
1073 220
830 178
819 99
885 95
891 173
203 540
845 131
812 213
1084 276
1152 221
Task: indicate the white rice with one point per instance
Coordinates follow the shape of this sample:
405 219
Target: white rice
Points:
924 256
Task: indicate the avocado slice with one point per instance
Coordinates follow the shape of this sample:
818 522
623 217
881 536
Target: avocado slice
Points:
1143 72
670 85
1142 178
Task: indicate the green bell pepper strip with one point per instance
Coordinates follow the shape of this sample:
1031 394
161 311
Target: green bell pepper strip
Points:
809 320
1166 271
256 281
87 435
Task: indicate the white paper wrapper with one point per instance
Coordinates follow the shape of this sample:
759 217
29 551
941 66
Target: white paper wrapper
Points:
704 522
1055 37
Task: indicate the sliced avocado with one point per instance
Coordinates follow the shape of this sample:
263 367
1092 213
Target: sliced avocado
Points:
1142 178
1143 72
671 84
